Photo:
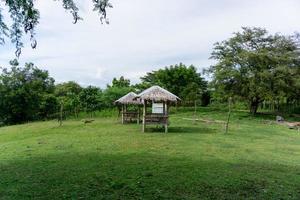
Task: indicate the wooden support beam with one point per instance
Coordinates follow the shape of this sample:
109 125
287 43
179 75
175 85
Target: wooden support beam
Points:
229 113
61 113
122 114
166 113
167 108
144 115
138 115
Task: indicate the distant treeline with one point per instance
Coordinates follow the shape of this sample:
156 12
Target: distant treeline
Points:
253 68
29 93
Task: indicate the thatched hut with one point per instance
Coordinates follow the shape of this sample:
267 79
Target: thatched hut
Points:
160 99
129 99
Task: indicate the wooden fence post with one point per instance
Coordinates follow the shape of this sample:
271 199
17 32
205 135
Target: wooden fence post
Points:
195 110
61 113
229 113
144 115
123 114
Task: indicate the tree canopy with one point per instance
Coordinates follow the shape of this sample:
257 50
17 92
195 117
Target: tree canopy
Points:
68 94
24 17
121 82
90 98
117 89
25 93
255 66
181 80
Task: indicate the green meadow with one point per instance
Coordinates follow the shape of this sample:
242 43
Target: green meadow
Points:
108 160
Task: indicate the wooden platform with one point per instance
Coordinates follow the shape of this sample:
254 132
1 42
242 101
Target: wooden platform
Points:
156 119
129 117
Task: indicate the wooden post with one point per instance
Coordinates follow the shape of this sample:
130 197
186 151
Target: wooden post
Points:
168 108
144 115
126 115
122 114
138 115
195 111
165 106
61 113
229 113
166 128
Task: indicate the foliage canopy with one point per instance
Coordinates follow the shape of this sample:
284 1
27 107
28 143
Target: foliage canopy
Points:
255 66
183 81
26 94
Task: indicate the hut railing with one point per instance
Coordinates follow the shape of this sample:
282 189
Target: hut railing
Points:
130 116
156 119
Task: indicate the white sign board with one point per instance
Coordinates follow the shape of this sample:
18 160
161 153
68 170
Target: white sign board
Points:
158 108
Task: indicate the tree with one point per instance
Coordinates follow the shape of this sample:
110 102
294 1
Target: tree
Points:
90 99
118 88
121 82
24 93
63 89
181 80
49 106
255 66
139 87
111 94
192 92
25 17
68 94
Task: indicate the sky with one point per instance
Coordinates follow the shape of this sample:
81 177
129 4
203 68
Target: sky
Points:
143 35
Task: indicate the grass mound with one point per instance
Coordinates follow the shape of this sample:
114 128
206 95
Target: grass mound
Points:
107 160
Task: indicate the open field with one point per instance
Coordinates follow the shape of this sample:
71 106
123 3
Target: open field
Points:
107 160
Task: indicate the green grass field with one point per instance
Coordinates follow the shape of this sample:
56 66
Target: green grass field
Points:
107 160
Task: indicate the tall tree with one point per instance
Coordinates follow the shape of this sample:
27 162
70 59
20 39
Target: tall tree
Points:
25 17
63 89
121 82
90 99
255 66
181 80
68 94
118 88
111 94
24 93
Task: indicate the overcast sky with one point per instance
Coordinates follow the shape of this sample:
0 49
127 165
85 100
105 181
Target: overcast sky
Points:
143 35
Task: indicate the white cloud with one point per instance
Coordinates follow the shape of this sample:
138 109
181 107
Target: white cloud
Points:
144 35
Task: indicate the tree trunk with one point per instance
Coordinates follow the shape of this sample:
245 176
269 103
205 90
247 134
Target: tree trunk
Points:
195 110
61 114
254 106
76 113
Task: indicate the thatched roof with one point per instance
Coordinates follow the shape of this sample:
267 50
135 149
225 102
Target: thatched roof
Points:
129 98
156 93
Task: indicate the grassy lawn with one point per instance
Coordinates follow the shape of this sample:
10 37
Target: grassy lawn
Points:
107 160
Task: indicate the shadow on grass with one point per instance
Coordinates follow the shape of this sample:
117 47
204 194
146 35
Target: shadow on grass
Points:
182 130
143 176
193 130
258 116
